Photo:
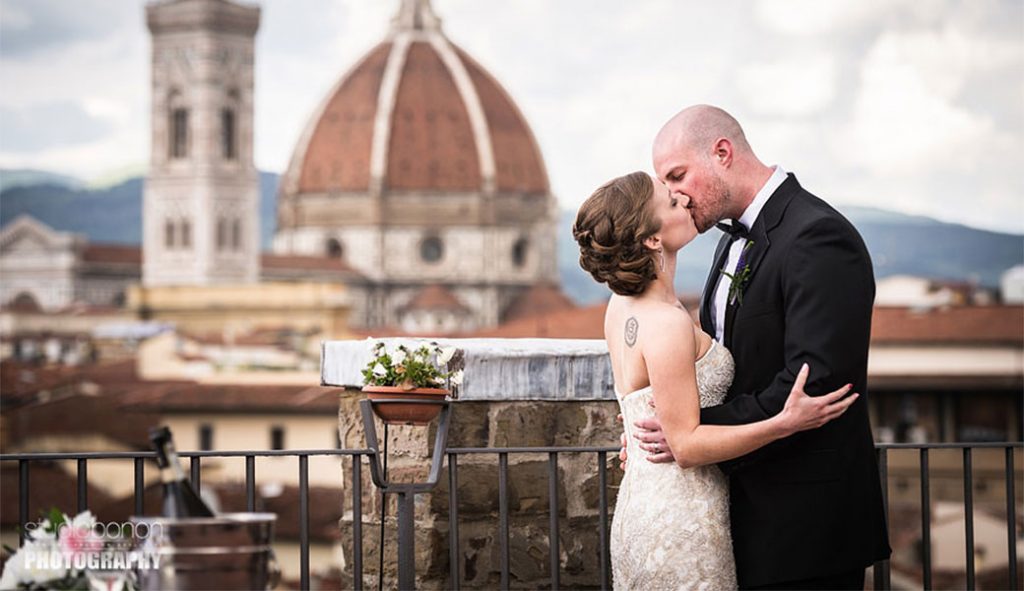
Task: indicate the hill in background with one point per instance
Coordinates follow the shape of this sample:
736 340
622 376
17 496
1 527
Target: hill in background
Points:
899 244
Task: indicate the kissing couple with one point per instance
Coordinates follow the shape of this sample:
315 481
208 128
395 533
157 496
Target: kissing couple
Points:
748 454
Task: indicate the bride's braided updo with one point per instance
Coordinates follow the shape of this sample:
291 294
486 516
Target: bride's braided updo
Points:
611 227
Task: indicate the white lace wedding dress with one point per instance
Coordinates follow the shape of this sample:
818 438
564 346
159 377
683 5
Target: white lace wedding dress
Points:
671 525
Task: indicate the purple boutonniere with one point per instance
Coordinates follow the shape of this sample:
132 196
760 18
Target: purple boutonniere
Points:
740 277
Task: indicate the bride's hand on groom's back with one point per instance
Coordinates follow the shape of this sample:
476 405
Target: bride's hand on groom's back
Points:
803 412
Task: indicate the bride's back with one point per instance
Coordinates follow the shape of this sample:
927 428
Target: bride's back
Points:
627 321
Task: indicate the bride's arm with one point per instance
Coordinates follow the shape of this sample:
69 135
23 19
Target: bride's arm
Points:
669 355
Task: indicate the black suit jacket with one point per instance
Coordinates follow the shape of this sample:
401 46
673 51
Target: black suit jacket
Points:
809 505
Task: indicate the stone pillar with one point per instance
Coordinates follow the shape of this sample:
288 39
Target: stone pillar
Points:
517 393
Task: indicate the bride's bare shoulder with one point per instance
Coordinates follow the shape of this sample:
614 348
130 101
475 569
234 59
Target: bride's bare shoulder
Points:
623 309
677 316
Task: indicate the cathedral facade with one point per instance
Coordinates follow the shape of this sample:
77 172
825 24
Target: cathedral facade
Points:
419 171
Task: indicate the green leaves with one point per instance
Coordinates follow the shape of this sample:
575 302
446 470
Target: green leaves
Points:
410 368
740 278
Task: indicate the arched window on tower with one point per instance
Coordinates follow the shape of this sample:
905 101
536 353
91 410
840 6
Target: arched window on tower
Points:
228 139
335 249
236 234
169 234
222 233
519 251
179 133
186 233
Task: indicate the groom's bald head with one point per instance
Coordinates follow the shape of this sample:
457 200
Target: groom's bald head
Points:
699 127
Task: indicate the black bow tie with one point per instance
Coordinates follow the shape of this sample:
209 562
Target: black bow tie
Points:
734 229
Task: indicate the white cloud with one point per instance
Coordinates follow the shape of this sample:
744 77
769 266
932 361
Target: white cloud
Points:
801 86
15 17
906 120
906 104
815 17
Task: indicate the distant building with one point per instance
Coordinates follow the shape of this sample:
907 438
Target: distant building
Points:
952 374
57 283
1012 285
45 270
420 172
920 292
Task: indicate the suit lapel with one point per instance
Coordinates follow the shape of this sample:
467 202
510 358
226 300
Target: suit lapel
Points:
754 257
707 319
770 217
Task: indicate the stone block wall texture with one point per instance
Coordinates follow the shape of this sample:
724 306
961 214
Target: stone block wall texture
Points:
490 423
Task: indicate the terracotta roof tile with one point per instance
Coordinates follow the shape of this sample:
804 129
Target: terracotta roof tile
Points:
579 323
23 303
273 262
79 415
49 486
539 299
384 332
961 325
112 253
231 398
21 382
337 157
431 143
517 158
435 297
281 337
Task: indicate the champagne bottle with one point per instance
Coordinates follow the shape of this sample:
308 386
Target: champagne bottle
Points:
180 499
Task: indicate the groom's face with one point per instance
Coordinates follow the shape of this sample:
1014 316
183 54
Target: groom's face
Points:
688 175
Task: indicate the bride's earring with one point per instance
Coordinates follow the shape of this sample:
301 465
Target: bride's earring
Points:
661 259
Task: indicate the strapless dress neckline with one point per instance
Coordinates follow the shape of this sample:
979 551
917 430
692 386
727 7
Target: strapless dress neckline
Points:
698 363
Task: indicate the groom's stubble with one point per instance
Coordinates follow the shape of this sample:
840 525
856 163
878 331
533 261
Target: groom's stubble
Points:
712 207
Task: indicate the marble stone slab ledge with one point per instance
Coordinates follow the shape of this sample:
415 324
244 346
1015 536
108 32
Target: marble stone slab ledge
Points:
496 369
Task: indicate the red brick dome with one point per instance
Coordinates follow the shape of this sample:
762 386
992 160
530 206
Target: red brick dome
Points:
416 114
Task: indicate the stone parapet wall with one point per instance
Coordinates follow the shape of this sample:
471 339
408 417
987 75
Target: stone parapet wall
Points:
493 424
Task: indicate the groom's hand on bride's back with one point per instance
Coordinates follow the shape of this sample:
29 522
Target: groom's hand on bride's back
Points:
652 440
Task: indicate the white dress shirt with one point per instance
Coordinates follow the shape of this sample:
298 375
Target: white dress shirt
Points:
720 301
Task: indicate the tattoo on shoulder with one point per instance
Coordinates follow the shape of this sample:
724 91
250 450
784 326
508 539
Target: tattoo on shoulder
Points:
632 326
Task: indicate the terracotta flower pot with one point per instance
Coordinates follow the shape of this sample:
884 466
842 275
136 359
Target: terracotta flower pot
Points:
398 413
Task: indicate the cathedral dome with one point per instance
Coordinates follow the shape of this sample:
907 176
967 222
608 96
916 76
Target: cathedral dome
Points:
416 114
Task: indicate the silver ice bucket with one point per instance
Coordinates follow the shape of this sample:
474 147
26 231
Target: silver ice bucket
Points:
229 551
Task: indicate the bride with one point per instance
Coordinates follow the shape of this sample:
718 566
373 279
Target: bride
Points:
671 524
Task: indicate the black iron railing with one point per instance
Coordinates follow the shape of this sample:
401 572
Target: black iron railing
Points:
881 570
503 512
196 457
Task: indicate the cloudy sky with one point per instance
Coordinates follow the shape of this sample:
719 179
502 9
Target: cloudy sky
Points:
911 105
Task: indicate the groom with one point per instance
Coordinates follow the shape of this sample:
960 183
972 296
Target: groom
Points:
791 283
